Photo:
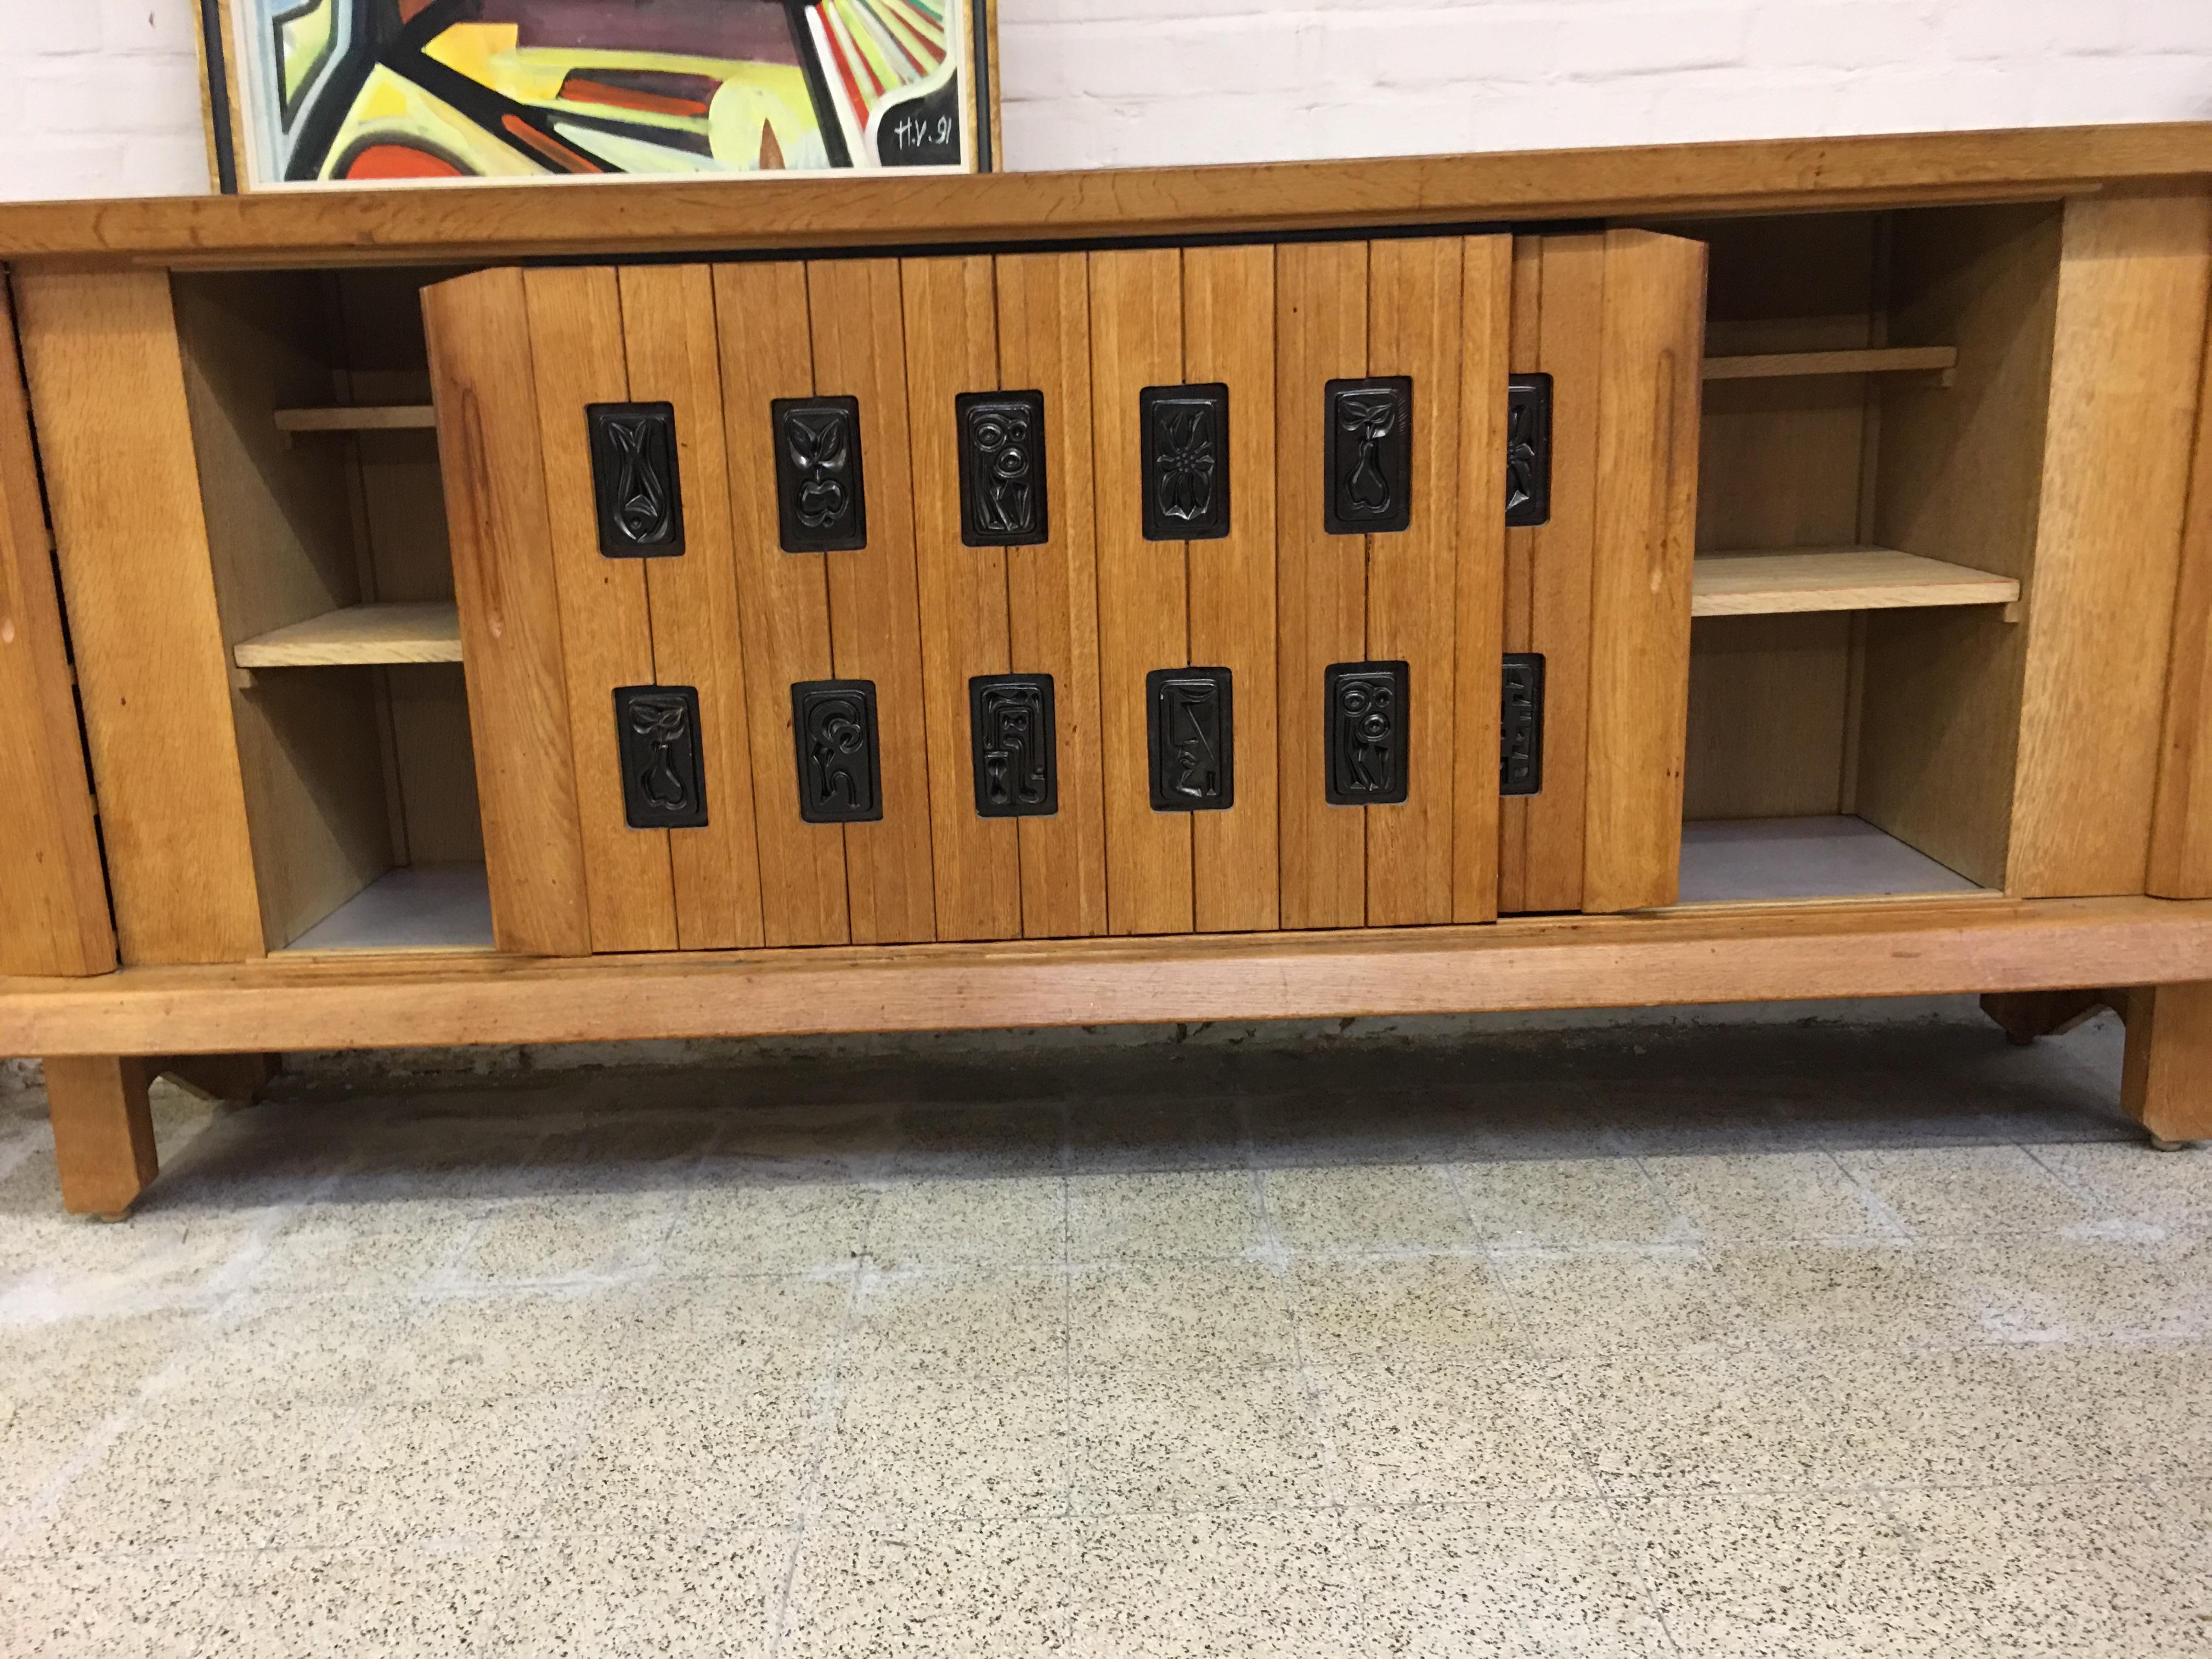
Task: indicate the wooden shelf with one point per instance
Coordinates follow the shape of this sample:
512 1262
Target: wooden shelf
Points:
1872 360
360 634
391 417
1837 579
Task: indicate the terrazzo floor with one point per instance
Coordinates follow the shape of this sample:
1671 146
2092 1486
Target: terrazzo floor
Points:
1747 1340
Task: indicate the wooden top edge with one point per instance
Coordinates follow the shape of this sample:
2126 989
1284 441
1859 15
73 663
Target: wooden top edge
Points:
475 222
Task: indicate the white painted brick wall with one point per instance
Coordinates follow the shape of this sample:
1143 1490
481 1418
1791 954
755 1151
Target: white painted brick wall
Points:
101 96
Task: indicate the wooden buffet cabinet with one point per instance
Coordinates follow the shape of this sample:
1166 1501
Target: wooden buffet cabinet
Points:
1589 579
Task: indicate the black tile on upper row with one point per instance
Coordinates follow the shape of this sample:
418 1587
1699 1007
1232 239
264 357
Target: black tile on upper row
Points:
635 488
820 495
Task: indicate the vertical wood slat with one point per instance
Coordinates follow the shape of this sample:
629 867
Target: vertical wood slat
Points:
1136 341
1524 356
1321 335
875 623
53 893
669 338
951 347
1229 337
1647 490
1052 590
1414 327
2125 375
2181 819
103 1123
1484 332
478 329
106 383
606 628
762 320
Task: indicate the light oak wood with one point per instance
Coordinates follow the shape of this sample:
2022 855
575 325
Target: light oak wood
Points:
1229 337
138 580
1485 330
487 441
1769 701
429 224
2181 817
674 357
356 635
232 1079
1751 953
388 417
1863 360
1052 590
952 347
1136 341
1747 583
1321 335
761 315
1647 484
2165 1080
1416 324
103 1131
53 892
2025 1016
1524 336
2133 284
875 627
578 359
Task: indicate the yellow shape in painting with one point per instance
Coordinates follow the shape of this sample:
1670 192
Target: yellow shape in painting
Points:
304 40
772 95
393 108
487 54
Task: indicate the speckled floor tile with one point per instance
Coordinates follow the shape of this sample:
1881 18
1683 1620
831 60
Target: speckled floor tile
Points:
465 1470
1416 1432
1154 1134
960 1141
1973 1416
924 1589
92 1607
342 1604
570 1236
758 1226
1516 1581
1191 1587
2169 1190
1621 1300
1969 1192
1414 1308
1179 1443
1569 1202
2082 1292
2147 1411
1190 1316
1381 1206
1892 1295
641 1596
318 1350
358 1246
1014 1221
718 1333
1770 1198
978 1447
683 1459
496 1345
979 1321
1113 1218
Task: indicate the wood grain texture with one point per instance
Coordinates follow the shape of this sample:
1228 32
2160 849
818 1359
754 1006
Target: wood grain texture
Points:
2166 1078
53 891
1052 590
384 417
875 625
1524 357
137 577
783 598
606 618
2133 284
1878 948
1229 337
357 635
2181 818
1416 320
1837 578
1136 341
427 224
1647 487
1321 579
1859 360
952 347
1485 330
103 1127
674 357
1770 699
510 611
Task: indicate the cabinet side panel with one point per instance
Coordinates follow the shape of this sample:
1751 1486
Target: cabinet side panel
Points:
2181 825
53 893
503 583
108 388
1485 331
1052 590
668 333
2125 377
1647 498
951 347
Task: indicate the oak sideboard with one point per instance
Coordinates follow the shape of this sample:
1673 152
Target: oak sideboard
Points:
1589 579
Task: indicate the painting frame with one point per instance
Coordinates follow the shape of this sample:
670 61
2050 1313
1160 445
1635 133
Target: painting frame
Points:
396 79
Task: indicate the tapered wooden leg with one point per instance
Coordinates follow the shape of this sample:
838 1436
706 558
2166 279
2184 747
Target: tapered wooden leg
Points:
103 1132
2027 1015
2166 1081
236 1079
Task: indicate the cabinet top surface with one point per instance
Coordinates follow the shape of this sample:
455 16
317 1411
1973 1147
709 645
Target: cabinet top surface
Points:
477 223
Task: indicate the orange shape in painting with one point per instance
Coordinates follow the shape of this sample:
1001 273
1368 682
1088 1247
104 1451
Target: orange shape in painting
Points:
400 162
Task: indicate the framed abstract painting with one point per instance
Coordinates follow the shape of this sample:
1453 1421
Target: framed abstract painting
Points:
307 93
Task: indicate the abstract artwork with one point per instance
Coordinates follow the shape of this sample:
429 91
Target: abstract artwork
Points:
366 92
